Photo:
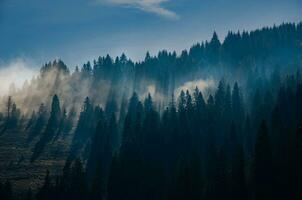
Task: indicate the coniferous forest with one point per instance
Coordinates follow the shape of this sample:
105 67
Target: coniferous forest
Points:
222 120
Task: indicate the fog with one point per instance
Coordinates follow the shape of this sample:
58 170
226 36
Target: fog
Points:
29 87
15 73
205 85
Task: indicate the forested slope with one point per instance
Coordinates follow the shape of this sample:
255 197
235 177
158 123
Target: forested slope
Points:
159 128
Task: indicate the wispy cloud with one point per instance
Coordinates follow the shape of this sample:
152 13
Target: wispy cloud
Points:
152 6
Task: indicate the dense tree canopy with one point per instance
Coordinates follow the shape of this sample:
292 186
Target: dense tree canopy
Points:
240 138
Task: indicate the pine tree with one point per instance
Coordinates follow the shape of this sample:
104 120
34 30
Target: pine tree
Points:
263 170
52 126
114 181
237 104
15 114
114 136
227 105
61 125
9 105
31 121
217 187
97 188
220 99
296 162
183 183
98 148
85 127
45 192
7 191
238 184
182 102
131 152
199 102
78 189
39 124
1 190
29 194
213 49
70 120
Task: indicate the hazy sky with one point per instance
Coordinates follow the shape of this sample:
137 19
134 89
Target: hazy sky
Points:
80 30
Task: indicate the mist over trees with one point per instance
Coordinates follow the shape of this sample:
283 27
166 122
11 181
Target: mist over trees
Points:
240 57
134 136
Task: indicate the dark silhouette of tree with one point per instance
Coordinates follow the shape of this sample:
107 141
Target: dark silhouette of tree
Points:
38 124
12 115
31 121
97 191
263 170
190 149
98 149
296 162
217 187
85 127
78 188
114 183
29 195
51 128
70 118
238 183
237 105
6 192
45 192
62 124
1 190
9 105
213 49
114 137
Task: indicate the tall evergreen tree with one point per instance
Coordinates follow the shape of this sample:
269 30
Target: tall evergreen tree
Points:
50 130
78 188
238 181
7 191
263 170
39 124
45 192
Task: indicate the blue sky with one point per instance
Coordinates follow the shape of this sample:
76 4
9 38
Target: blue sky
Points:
80 30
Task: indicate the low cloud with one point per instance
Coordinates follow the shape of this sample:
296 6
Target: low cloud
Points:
151 6
15 72
204 85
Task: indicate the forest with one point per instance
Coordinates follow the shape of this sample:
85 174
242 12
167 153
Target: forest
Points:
222 120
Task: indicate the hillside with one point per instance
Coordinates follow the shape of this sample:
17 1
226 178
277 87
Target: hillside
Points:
219 121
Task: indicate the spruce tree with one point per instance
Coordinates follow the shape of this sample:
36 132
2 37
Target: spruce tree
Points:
45 192
263 170
7 191
51 128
